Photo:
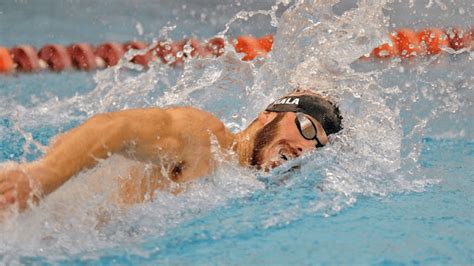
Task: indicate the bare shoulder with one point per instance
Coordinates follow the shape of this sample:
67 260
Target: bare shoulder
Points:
163 113
175 121
201 125
187 112
167 115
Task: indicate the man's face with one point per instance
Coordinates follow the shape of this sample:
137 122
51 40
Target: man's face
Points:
280 140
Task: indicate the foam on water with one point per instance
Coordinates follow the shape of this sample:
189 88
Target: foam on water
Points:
375 155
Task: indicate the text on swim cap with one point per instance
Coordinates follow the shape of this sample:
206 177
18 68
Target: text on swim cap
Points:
289 100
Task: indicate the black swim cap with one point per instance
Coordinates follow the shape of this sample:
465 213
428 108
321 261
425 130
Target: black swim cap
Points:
311 104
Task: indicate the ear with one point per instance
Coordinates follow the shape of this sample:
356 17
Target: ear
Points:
265 117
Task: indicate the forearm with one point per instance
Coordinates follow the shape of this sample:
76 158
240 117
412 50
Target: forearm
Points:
79 149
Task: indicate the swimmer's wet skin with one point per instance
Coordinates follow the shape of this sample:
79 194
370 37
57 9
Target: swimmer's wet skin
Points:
177 139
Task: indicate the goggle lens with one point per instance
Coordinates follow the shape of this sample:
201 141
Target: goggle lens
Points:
307 128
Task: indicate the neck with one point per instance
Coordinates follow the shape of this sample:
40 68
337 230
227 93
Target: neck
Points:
244 144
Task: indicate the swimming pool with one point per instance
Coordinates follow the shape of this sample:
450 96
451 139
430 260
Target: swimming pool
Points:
395 187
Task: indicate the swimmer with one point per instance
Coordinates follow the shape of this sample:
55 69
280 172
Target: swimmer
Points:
178 140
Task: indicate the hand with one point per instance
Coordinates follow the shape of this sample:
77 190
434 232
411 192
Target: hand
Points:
18 189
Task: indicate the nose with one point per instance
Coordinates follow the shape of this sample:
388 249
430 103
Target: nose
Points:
307 145
296 151
299 151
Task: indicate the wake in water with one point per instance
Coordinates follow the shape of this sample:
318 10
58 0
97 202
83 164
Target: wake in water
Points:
376 154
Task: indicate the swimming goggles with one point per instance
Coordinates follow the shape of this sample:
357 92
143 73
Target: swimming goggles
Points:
307 128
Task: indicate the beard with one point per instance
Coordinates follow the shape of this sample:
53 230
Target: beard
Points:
264 137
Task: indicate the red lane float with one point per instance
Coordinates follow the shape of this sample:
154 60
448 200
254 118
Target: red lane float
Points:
457 38
266 42
56 56
161 50
170 52
433 40
177 52
385 51
139 59
25 57
110 52
216 46
174 53
198 49
253 47
249 46
471 38
6 62
82 56
405 43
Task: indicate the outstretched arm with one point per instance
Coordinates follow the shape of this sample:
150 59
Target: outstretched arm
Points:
78 149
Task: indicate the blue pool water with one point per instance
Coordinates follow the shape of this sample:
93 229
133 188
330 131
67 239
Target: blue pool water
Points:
394 188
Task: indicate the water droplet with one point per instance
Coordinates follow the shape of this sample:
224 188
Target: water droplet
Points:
169 58
139 28
188 49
